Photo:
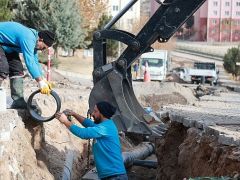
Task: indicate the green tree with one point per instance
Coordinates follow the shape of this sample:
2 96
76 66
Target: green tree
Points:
60 16
5 11
34 14
230 59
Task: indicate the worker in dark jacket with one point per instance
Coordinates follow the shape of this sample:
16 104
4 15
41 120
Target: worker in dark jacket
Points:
14 39
106 147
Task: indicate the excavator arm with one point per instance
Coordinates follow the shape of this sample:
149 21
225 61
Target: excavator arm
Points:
113 81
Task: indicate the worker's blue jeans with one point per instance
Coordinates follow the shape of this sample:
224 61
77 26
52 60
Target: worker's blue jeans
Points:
117 177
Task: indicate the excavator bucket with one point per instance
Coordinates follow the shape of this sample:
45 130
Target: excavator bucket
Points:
113 81
117 90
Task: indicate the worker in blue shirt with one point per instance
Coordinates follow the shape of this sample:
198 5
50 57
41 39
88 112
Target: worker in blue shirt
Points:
106 147
16 38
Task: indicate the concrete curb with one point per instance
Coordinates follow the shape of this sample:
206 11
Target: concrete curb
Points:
223 134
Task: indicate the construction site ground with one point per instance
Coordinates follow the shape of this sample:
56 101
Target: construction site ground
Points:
203 137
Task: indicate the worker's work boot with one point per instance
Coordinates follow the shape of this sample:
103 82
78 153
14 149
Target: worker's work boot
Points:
16 86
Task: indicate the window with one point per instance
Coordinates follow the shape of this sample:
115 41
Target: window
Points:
115 8
236 32
238 13
226 22
227 13
226 31
152 62
204 65
215 12
238 3
215 3
237 22
214 21
227 3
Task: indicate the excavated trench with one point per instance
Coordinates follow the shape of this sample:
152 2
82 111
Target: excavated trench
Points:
189 152
193 145
203 136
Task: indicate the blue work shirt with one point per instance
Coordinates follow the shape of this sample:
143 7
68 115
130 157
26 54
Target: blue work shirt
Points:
106 149
26 39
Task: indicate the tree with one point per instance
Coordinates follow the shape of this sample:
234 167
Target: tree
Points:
230 59
93 10
5 11
34 14
60 16
68 24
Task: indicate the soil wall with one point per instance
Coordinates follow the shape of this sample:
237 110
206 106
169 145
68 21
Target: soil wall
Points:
188 152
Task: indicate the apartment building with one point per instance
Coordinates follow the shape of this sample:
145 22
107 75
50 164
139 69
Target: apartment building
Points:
215 21
218 21
127 21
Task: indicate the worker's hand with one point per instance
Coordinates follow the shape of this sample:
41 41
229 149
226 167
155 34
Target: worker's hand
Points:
45 87
68 112
61 117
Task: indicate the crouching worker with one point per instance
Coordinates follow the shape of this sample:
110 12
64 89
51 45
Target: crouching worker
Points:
14 39
107 148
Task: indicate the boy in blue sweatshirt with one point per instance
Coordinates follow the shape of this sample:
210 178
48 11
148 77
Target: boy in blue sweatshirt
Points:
107 148
14 39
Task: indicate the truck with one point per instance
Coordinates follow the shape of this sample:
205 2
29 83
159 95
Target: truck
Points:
157 62
204 72
201 73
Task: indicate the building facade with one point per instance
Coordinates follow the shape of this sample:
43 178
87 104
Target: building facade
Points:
218 21
132 15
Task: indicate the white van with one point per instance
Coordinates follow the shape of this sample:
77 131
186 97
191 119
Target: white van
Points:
157 64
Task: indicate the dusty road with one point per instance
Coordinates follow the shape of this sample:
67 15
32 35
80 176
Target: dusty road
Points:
79 64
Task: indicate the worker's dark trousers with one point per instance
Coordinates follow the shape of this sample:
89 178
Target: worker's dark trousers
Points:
11 65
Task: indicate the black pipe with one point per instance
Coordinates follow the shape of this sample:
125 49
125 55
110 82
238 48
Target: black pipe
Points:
141 151
146 163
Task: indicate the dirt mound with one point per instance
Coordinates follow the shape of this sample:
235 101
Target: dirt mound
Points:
174 78
157 94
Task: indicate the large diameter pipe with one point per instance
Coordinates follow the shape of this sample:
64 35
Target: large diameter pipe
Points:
141 151
146 163
67 170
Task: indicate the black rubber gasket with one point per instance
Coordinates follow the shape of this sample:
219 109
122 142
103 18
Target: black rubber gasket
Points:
35 115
